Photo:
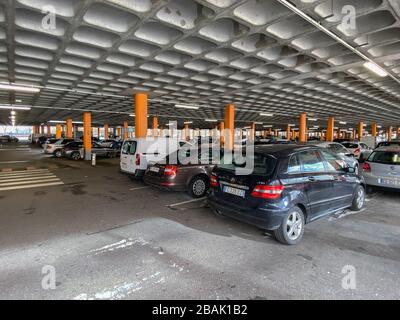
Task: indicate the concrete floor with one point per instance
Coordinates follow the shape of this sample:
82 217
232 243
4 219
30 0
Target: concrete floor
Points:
108 237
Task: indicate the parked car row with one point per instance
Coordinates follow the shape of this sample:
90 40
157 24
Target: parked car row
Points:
8 139
290 185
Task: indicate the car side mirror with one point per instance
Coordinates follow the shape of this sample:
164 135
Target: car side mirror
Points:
348 169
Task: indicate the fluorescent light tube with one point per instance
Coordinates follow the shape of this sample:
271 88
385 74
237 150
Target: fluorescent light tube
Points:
184 106
375 69
11 107
12 87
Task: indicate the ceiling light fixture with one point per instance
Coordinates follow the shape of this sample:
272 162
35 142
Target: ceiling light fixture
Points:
375 69
210 120
262 114
185 106
14 87
12 107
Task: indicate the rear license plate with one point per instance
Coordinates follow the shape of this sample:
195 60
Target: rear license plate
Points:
392 182
155 169
234 191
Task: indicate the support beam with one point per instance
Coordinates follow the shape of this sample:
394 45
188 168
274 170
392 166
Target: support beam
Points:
303 128
330 130
58 131
374 130
390 133
125 130
141 115
69 129
288 132
186 132
48 130
87 135
360 130
106 131
229 126
221 132
155 126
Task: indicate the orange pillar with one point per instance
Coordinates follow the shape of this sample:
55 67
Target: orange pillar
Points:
125 133
119 132
390 133
398 133
330 130
87 135
253 132
58 131
48 130
360 130
141 115
186 132
229 126
339 133
221 132
154 126
69 129
106 131
288 132
374 129
303 128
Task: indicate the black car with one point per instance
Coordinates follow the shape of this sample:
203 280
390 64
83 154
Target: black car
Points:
388 144
290 186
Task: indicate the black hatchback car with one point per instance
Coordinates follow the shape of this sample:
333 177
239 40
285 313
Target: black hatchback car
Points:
290 186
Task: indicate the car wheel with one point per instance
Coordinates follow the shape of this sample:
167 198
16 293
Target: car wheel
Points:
76 156
359 199
58 153
198 187
292 228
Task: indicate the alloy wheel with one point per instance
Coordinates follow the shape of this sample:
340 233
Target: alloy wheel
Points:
360 198
199 187
294 226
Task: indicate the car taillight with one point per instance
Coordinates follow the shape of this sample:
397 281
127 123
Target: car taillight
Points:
170 170
48 147
138 159
357 151
213 181
267 192
366 167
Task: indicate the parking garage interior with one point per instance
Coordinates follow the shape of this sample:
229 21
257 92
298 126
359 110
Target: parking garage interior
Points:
300 72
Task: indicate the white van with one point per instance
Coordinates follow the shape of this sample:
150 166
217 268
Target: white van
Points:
138 153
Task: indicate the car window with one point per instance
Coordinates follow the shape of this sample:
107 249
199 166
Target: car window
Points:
350 145
385 157
332 161
129 147
294 165
364 146
311 161
264 165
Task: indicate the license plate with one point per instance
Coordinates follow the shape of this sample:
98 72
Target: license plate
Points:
234 191
393 182
154 169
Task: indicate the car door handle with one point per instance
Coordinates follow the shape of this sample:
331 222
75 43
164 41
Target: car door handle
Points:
312 179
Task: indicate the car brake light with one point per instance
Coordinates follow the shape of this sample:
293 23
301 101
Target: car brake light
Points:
357 150
48 147
138 159
170 170
213 181
366 167
267 192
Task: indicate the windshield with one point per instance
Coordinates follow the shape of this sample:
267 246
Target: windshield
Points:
264 165
350 145
385 157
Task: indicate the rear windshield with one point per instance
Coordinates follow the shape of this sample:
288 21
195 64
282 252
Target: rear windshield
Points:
385 157
350 145
129 148
264 165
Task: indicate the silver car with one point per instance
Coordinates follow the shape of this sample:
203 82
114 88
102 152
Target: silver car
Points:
382 168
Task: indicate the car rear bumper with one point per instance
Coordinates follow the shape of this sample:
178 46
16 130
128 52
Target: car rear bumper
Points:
371 180
264 219
164 184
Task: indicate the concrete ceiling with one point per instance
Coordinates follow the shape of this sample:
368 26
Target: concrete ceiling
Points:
256 54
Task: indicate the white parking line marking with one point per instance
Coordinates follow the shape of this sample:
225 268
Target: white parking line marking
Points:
139 188
28 179
185 202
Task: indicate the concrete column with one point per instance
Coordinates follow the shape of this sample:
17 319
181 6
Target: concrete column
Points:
390 133
69 134
229 126
288 132
360 130
186 132
303 128
48 130
155 126
87 135
374 130
141 115
125 133
106 131
221 132
330 130
58 131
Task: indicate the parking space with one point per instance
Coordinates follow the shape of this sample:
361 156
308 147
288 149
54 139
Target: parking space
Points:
112 238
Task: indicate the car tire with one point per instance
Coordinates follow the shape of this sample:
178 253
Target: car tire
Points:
58 153
76 156
291 230
359 199
198 187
